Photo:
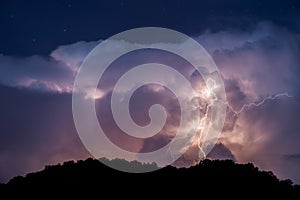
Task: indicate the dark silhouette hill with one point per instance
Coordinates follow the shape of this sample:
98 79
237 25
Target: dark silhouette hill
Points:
210 177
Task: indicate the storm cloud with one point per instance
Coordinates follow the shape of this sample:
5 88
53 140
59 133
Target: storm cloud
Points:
36 117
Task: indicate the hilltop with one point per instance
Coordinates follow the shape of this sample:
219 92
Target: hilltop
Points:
209 176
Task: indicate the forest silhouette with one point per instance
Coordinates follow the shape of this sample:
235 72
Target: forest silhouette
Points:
216 177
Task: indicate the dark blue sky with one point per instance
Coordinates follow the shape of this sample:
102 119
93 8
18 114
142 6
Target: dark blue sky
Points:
38 27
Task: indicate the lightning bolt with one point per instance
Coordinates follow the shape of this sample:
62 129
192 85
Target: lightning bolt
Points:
202 126
209 92
253 104
209 95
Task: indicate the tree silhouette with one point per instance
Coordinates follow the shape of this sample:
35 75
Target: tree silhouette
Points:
222 178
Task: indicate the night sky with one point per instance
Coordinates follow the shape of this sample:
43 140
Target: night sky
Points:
255 44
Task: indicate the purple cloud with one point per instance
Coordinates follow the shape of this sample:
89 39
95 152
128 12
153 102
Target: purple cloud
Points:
254 64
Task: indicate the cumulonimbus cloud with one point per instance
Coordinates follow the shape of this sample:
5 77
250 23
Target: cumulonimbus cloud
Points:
254 64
